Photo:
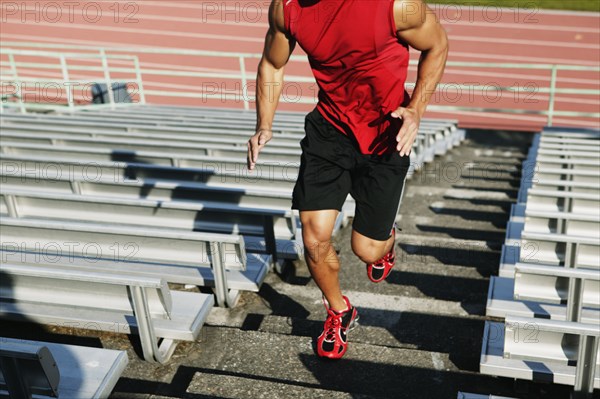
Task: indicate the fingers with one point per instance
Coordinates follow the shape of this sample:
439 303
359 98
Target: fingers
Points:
406 135
250 159
406 147
401 136
399 113
253 149
255 144
407 139
408 132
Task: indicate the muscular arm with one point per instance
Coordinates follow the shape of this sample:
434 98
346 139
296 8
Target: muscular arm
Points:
417 25
269 81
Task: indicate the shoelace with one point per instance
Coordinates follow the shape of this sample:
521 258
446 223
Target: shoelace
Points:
333 321
386 258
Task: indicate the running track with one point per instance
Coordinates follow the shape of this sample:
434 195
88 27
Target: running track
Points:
476 34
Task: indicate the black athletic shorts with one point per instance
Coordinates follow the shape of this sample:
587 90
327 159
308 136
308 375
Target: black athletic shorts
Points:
332 167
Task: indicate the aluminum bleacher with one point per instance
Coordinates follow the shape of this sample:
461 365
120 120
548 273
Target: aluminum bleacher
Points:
156 123
49 370
184 257
119 203
56 292
548 288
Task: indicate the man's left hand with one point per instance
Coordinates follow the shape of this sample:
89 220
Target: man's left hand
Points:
411 120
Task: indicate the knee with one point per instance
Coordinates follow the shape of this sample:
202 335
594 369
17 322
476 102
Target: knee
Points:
368 251
316 230
367 255
317 246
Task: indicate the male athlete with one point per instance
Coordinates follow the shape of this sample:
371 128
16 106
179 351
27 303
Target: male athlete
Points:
359 136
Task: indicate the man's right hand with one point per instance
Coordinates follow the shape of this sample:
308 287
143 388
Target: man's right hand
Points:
257 143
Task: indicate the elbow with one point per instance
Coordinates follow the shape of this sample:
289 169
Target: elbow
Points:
267 67
439 50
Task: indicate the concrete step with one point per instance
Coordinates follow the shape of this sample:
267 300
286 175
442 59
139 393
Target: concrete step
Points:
450 227
375 370
225 385
229 362
463 192
404 330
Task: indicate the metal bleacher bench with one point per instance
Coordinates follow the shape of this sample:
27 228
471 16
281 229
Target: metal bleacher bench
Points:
167 133
548 290
76 296
217 136
162 117
210 172
265 230
276 170
49 370
165 146
274 178
537 348
219 261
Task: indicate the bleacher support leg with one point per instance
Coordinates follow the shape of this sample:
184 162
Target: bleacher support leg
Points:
575 299
225 296
152 352
586 367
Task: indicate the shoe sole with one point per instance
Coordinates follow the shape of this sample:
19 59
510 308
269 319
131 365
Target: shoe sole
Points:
353 324
383 278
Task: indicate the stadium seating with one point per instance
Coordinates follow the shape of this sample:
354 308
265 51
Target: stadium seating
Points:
184 257
119 302
435 137
548 288
127 200
49 370
256 224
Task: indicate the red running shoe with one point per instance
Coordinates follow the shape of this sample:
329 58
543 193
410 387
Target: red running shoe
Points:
380 270
333 341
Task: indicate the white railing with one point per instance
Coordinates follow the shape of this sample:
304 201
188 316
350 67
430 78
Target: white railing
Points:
17 80
552 90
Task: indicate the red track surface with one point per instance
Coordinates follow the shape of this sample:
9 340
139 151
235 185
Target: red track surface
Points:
476 34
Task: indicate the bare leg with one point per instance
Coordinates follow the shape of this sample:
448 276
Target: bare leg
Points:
323 262
369 250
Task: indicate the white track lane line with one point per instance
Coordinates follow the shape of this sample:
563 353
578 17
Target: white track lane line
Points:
470 56
548 43
59 41
545 78
519 58
536 119
139 31
522 26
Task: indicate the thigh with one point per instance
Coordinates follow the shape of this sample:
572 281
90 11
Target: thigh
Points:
324 178
377 188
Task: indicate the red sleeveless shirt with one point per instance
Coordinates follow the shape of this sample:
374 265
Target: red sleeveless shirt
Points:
358 63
